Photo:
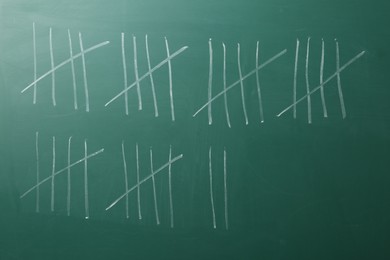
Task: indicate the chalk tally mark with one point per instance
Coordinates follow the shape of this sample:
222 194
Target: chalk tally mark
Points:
140 182
323 83
240 81
54 68
147 74
57 172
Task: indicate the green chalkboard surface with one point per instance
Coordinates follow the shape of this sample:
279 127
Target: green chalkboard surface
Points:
194 129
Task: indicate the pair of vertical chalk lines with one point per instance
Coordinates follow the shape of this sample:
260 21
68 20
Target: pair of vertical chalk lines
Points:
55 172
240 82
140 182
224 189
54 68
149 74
322 81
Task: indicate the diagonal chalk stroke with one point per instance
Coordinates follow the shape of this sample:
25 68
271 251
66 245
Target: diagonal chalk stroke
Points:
144 180
170 57
64 63
238 81
338 71
61 171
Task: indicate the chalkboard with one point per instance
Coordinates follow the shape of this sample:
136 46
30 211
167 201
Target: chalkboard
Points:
194 129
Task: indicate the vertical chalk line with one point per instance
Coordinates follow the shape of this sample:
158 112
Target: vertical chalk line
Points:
307 81
37 164
241 83
138 184
295 79
35 65
53 75
126 180
211 190
343 111
224 87
154 187
73 73
86 196
151 77
170 81
258 86
84 74
53 174
210 82
136 73
170 187
225 189
68 197
322 78
124 72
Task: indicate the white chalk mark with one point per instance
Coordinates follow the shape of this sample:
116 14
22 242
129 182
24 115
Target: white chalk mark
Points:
136 74
84 74
151 77
53 174
38 173
258 86
170 187
154 188
238 81
124 72
138 184
170 82
126 181
68 197
209 96
242 83
322 78
324 83
211 190
295 78
147 74
145 179
224 87
61 171
307 81
225 189
343 111
86 197
53 75
73 73
35 66
64 63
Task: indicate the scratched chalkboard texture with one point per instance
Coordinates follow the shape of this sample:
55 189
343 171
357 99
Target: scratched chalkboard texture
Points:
194 129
